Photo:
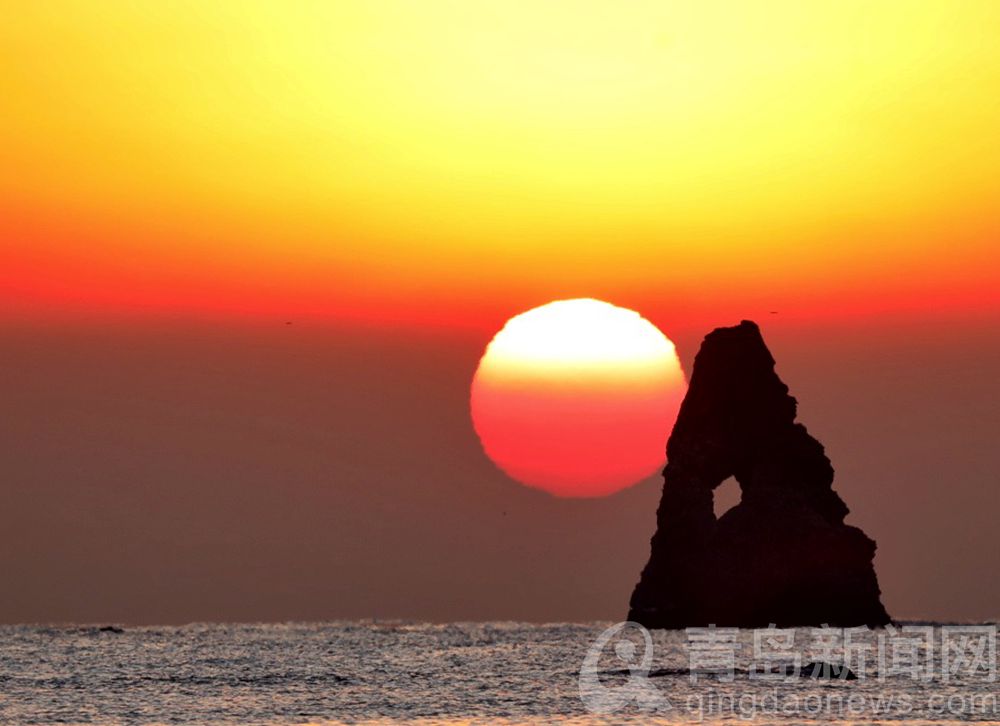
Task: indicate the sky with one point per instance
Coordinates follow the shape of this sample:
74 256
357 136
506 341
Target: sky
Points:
181 181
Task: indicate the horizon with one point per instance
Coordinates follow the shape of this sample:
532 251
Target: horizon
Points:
850 385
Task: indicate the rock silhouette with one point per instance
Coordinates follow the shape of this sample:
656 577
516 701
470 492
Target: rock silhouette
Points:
783 555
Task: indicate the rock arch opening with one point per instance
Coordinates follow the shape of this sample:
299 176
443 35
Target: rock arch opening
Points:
726 496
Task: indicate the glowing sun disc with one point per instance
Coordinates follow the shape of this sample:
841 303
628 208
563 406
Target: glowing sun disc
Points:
577 397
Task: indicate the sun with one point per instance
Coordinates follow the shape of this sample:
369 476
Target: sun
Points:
577 397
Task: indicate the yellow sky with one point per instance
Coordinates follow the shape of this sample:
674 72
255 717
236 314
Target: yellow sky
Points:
315 151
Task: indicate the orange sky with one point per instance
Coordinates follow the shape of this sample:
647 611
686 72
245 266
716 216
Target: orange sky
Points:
451 163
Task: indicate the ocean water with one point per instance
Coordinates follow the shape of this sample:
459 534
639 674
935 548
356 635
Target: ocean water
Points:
328 673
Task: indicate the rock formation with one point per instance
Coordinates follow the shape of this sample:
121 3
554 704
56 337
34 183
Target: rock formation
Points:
783 555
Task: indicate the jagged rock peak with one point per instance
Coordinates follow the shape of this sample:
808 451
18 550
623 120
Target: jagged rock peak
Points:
783 555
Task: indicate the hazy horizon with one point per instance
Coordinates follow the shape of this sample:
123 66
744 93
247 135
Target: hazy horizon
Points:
174 472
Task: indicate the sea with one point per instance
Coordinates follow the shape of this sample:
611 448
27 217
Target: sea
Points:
492 672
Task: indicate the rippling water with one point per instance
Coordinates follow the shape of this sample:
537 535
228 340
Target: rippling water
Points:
391 672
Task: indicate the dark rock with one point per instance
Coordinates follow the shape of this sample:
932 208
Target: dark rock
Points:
783 555
110 629
819 669
815 669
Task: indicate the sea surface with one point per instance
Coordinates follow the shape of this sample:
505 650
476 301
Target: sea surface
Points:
392 672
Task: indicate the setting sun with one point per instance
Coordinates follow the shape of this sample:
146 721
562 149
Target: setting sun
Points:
577 397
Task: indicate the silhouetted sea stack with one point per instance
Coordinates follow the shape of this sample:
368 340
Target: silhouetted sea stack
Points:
783 555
